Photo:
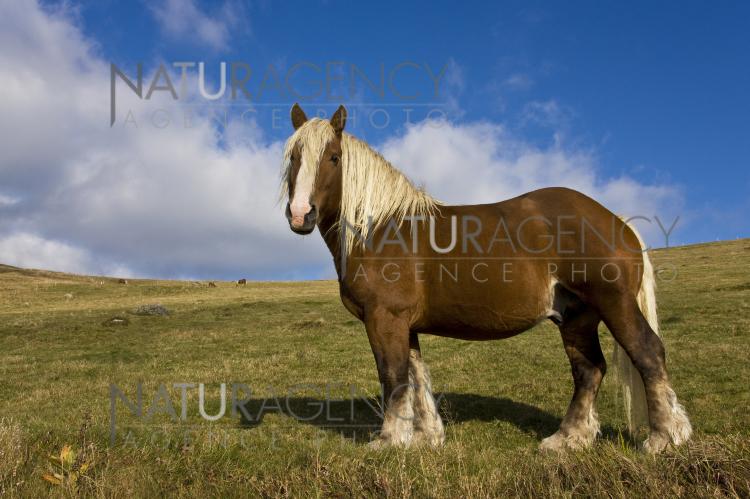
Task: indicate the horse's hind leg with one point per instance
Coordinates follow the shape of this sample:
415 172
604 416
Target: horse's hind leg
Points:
580 425
428 427
667 419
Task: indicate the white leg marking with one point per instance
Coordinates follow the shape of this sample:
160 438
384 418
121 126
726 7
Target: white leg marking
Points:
428 426
679 428
579 437
398 421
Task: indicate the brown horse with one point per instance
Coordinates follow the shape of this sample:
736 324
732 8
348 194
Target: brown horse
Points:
408 264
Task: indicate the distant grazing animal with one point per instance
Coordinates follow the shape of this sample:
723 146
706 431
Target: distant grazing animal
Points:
241 282
548 254
122 281
211 285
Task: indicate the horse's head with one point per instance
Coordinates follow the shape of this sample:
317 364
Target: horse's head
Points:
312 169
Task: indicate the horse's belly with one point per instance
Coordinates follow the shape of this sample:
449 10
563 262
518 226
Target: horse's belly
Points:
476 321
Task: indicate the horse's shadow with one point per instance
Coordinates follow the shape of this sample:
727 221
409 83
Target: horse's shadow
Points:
358 418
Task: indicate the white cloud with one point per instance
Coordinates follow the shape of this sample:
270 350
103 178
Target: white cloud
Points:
483 163
183 20
546 113
31 251
452 86
84 197
518 81
7 200
173 201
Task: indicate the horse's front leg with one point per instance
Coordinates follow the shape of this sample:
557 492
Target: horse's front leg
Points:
389 339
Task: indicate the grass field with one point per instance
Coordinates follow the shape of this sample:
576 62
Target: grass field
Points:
59 356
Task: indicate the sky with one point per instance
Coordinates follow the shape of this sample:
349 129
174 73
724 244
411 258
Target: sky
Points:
643 106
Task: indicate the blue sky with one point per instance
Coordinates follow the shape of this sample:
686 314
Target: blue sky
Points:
658 89
642 105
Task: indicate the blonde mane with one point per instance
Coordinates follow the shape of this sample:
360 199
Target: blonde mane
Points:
373 191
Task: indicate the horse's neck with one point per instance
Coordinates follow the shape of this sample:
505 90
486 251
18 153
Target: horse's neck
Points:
329 229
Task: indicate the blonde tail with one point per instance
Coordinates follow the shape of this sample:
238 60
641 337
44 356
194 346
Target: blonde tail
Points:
633 391
678 425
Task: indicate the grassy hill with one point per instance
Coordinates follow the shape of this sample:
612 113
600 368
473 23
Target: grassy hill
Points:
312 376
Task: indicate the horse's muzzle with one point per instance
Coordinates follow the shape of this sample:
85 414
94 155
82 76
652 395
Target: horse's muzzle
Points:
308 225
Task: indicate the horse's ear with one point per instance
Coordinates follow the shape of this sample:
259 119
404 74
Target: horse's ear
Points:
298 116
338 120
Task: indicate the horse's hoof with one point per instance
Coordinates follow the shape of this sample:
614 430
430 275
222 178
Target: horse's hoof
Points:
560 441
377 444
656 443
554 443
380 443
428 439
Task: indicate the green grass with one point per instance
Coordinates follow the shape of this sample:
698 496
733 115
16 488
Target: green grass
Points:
57 361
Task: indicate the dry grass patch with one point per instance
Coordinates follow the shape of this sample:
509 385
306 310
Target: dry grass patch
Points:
499 399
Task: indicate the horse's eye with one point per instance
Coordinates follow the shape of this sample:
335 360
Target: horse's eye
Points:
335 158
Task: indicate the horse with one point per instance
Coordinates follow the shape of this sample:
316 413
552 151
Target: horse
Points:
403 271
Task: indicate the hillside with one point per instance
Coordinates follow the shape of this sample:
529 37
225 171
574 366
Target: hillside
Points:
60 351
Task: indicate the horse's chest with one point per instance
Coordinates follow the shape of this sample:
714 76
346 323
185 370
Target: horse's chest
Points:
352 305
